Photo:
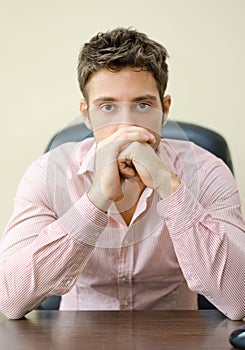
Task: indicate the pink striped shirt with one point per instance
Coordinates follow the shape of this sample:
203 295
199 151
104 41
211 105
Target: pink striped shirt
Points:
58 243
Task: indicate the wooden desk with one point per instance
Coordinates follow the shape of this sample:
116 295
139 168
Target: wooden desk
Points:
117 330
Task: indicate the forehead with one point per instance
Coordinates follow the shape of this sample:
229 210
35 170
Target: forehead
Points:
123 85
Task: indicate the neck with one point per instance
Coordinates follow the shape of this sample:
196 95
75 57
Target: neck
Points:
132 191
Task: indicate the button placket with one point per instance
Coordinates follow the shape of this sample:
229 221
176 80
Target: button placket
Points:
125 278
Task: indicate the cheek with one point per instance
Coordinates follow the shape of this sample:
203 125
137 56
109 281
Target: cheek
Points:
152 122
102 123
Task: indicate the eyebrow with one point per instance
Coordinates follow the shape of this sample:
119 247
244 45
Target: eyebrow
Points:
145 97
136 99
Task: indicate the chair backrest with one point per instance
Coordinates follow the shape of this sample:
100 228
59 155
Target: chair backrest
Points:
203 137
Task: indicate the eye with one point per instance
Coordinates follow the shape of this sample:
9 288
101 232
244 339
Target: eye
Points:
141 107
107 107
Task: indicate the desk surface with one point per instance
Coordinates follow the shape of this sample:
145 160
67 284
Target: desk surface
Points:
117 330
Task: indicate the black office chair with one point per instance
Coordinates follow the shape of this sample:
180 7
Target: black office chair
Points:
206 138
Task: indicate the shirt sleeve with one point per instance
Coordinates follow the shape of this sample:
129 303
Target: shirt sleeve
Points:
208 233
42 255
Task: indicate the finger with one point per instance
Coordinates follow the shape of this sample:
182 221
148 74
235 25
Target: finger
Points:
127 171
126 134
135 133
139 136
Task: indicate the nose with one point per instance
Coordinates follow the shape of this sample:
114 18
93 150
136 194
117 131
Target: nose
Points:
125 114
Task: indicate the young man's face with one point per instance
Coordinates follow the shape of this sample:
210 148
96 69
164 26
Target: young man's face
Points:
126 97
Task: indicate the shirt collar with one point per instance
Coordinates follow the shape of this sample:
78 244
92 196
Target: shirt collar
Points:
88 162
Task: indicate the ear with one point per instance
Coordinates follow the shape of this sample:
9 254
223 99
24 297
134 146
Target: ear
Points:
166 108
84 113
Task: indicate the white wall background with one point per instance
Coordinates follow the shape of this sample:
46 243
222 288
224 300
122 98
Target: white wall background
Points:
39 45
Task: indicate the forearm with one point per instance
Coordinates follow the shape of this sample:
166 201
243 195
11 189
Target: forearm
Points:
213 266
51 263
212 263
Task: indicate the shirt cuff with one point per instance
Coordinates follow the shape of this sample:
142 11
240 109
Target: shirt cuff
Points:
84 221
180 210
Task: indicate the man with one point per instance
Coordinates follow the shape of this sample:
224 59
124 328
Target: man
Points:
125 220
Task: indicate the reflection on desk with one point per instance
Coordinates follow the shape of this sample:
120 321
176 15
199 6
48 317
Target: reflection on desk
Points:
118 330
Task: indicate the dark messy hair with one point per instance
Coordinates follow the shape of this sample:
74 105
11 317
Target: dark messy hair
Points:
121 48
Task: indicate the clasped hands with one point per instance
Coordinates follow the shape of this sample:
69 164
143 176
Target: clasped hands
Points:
128 154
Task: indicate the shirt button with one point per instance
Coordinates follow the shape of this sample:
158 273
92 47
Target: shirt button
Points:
125 303
126 242
68 281
190 274
124 279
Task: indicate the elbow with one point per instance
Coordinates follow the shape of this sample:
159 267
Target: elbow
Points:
11 310
13 315
234 311
235 315
13 302
234 308
10 305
